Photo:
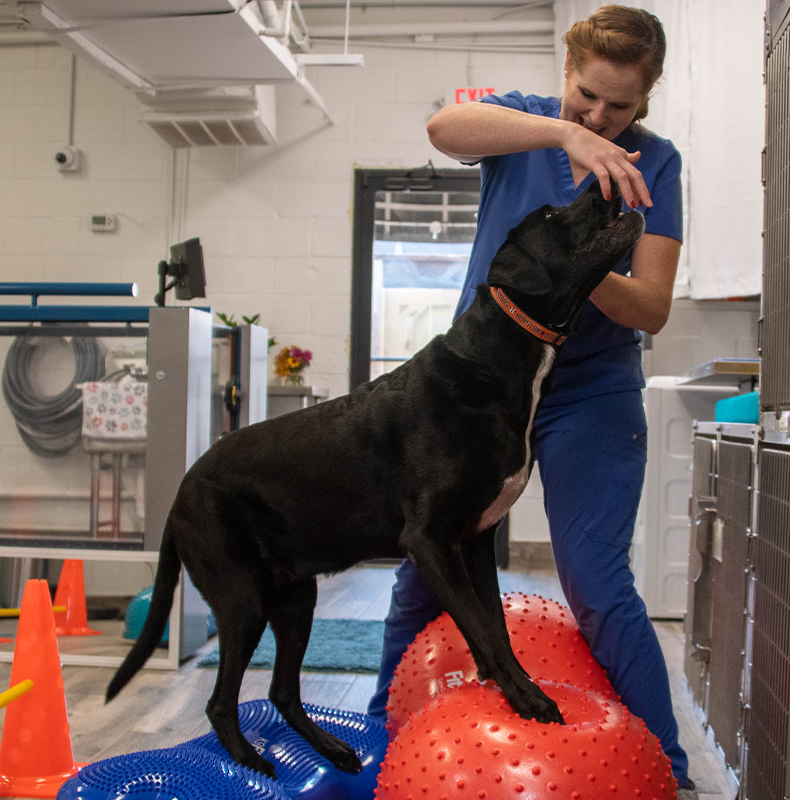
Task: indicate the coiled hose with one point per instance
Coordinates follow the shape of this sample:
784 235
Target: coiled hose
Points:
50 425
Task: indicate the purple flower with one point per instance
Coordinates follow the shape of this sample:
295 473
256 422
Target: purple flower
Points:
302 355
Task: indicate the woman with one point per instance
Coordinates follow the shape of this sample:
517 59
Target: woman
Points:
590 429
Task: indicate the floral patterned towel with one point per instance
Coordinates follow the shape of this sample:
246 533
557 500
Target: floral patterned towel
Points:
114 410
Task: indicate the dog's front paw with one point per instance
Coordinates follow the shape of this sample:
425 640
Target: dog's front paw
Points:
535 704
258 763
550 713
345 758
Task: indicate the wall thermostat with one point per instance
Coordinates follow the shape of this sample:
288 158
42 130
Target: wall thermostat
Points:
102 222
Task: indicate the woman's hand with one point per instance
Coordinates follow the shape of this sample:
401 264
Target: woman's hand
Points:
608 162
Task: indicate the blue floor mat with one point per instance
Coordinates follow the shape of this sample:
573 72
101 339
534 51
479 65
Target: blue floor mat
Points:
336 645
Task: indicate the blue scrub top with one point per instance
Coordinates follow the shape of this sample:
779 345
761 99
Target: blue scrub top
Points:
600 356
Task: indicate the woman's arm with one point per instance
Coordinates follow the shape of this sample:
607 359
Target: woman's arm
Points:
470 131
642 300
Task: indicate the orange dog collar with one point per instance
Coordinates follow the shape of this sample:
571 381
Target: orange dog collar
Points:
526 322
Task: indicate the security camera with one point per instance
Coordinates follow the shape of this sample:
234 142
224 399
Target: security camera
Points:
67 159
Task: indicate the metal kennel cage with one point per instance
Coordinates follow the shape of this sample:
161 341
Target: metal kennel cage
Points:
775 318
767 774
766 751
739 577
730 567
702 512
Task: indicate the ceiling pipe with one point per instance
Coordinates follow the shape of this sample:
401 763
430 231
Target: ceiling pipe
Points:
454 47
303 40
488 4
24 37
269 14
544 27
270 22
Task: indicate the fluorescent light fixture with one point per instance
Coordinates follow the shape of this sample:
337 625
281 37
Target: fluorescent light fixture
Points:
329 60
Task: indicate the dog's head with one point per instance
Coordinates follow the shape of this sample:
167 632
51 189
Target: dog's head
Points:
552 260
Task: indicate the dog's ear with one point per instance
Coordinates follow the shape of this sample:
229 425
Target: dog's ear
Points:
513 267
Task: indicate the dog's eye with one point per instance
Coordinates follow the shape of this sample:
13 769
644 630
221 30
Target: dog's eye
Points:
549 214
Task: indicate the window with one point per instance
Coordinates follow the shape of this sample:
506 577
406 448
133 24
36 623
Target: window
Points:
413 233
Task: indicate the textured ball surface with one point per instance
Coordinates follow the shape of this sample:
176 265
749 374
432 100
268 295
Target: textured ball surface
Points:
543 634
469 744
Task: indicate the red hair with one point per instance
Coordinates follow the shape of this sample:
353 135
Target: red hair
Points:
622 35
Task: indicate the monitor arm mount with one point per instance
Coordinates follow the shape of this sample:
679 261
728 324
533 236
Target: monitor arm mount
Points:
176 270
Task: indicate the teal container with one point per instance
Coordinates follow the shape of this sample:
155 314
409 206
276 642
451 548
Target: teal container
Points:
136 614
138 611
741 408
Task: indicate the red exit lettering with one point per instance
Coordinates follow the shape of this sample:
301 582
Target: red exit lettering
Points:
466 94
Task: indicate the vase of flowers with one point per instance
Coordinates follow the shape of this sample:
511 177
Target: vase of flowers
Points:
289 364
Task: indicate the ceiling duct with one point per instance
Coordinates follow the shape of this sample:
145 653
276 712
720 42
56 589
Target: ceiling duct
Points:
204 70
166 44
241 115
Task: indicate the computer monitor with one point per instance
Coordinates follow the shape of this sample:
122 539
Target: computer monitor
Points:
191 282
186 270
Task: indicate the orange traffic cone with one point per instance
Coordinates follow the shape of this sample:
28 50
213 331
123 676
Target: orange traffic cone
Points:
35 750
71 594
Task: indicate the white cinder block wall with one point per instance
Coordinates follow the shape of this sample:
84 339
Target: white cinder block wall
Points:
275 222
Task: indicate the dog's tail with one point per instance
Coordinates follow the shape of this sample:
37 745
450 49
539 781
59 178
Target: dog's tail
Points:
167 574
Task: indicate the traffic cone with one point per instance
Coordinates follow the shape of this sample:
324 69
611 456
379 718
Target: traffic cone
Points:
35 750
71 594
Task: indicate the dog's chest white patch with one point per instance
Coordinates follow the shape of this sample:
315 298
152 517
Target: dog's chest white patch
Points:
515 484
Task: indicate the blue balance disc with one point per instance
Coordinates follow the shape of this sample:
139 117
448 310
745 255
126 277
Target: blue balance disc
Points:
301 772
201 770
184 772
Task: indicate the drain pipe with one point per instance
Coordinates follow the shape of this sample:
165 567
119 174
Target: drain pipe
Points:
280 26
303 42
270 15
286 23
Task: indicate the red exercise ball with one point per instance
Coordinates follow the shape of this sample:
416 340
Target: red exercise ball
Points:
545 639
469 744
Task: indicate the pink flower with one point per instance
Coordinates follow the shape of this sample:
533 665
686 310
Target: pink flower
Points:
301 355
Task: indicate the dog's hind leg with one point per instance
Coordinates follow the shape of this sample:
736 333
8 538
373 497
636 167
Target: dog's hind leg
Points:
291 621
241 618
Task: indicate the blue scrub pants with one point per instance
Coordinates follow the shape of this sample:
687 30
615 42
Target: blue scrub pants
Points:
591 455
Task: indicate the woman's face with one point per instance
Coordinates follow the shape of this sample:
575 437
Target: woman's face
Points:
602 96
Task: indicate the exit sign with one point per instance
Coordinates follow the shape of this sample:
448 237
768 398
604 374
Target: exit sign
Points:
465 94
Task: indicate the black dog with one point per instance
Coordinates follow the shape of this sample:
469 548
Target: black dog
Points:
424 462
